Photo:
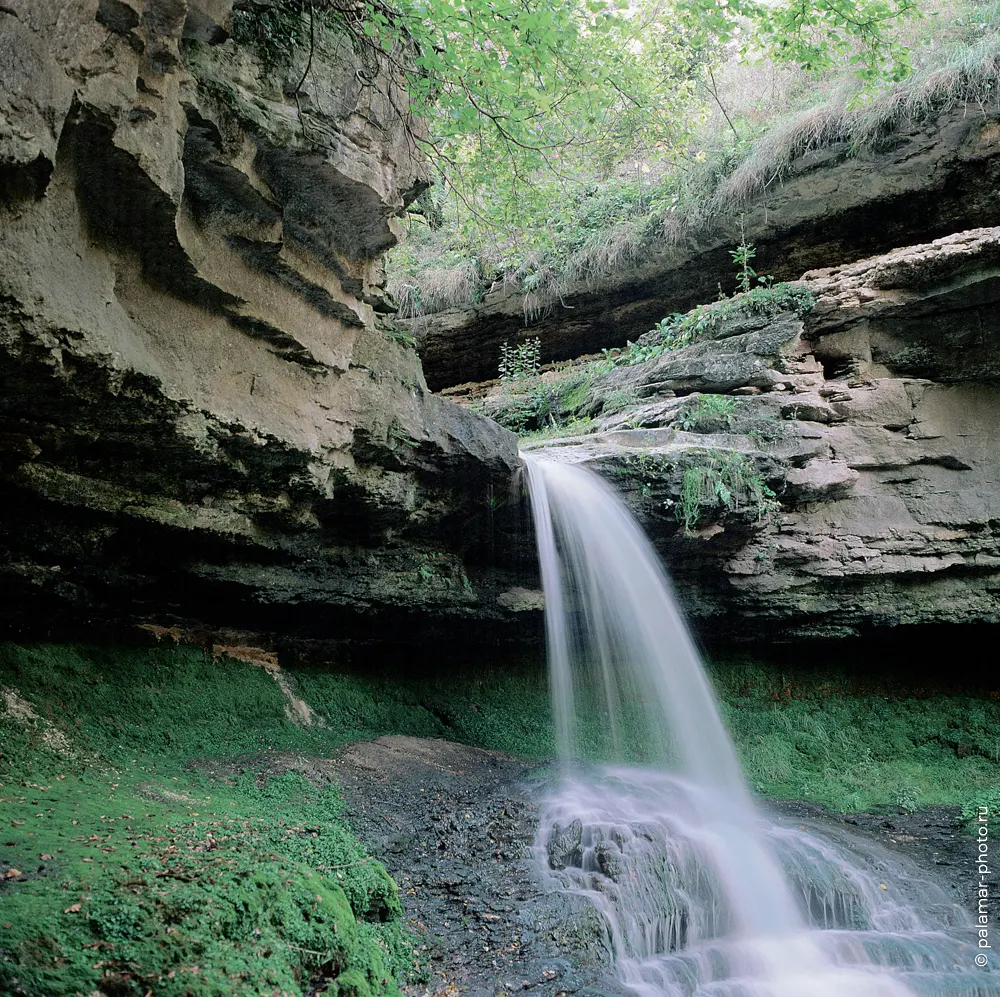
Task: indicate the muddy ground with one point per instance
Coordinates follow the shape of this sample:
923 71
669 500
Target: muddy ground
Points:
455 826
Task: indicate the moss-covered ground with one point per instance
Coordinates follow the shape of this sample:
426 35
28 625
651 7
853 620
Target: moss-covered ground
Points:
155 839
858 739
129 870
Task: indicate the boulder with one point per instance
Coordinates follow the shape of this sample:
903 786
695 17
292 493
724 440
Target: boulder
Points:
563 844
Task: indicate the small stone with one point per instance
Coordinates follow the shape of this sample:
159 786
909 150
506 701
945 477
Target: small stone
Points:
609 860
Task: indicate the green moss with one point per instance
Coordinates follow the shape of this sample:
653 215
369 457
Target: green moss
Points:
855 742
155 802
619 401
835 738
188 886
503 710
160 849
525 406
533 409
573 392
167 703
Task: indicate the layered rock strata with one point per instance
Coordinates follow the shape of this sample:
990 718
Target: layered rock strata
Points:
872 420
924 180
203 416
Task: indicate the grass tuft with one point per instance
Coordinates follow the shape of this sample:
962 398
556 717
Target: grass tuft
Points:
969 77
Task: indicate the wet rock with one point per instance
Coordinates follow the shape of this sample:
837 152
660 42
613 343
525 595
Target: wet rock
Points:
485 919
563 845
609 859
519 600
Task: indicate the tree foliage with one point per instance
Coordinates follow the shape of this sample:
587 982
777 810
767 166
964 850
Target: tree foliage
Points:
523 96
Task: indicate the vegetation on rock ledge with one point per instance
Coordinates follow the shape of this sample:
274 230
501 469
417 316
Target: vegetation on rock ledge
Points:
705 321
748 118
564 401
522 96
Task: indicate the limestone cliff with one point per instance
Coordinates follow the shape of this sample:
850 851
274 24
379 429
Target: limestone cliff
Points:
203 415
844 474
923 179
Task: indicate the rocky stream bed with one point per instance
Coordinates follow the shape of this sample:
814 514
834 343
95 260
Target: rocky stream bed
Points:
455 827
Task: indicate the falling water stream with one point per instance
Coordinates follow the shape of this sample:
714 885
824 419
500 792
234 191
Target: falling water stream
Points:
700 894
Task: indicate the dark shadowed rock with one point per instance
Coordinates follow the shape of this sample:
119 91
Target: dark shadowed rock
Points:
203 416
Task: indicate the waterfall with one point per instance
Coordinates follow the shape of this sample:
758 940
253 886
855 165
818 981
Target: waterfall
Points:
701 896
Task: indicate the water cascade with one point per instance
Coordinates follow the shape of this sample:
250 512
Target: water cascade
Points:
700 894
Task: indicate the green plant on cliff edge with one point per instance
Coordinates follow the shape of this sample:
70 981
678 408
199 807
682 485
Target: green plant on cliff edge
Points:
707 414
727 481
705 321
643 470
526 404
525 408
520 362
742 255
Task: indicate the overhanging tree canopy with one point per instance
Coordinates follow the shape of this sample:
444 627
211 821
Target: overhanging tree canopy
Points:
515 90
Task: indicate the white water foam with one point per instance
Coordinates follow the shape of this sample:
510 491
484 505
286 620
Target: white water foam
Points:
701 896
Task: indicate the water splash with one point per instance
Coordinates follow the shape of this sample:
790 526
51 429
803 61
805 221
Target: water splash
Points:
700 895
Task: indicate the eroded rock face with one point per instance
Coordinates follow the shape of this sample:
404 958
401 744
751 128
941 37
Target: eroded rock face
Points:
202 415
872 419
926 180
